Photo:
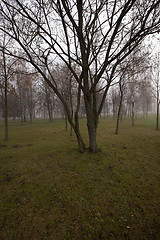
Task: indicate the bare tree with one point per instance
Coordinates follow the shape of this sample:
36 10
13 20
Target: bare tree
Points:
136 70
95 35
13 104
5 96
23 87
156 85
7 64
68 85
121 91
146 97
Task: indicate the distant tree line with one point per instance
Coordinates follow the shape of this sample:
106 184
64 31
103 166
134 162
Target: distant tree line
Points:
30 97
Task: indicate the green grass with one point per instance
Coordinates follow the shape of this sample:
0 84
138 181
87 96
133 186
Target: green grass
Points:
48 190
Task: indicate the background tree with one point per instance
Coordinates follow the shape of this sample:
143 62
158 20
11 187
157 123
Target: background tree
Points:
25 86
68 85
13 104
156 85
6 72
121 93
145 96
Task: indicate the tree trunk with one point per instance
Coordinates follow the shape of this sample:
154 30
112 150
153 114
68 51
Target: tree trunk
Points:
132 113
66 121
158 100
92 123
6 112
81 144
157 117
30 118
75 126
50 117
71 130
44 111
24 118
92 131
5 98
119 112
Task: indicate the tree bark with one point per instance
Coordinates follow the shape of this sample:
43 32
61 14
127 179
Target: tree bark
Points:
157 117
92 123
92 131
133 114
31 106
80 141
118 116
6 111
71 105
5 97
66 120
30 118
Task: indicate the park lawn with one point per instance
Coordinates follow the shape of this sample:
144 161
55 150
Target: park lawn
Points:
48 190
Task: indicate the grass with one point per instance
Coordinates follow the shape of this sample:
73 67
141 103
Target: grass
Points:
48 190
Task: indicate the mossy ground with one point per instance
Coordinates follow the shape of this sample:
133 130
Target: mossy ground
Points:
48 190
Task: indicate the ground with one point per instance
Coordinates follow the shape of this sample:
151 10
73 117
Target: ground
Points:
48 190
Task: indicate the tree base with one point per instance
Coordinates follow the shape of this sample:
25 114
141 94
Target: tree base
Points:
82 150
97 150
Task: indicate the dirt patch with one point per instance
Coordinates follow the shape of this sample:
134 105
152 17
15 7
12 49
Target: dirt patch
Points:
17 146
124 147
8 157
